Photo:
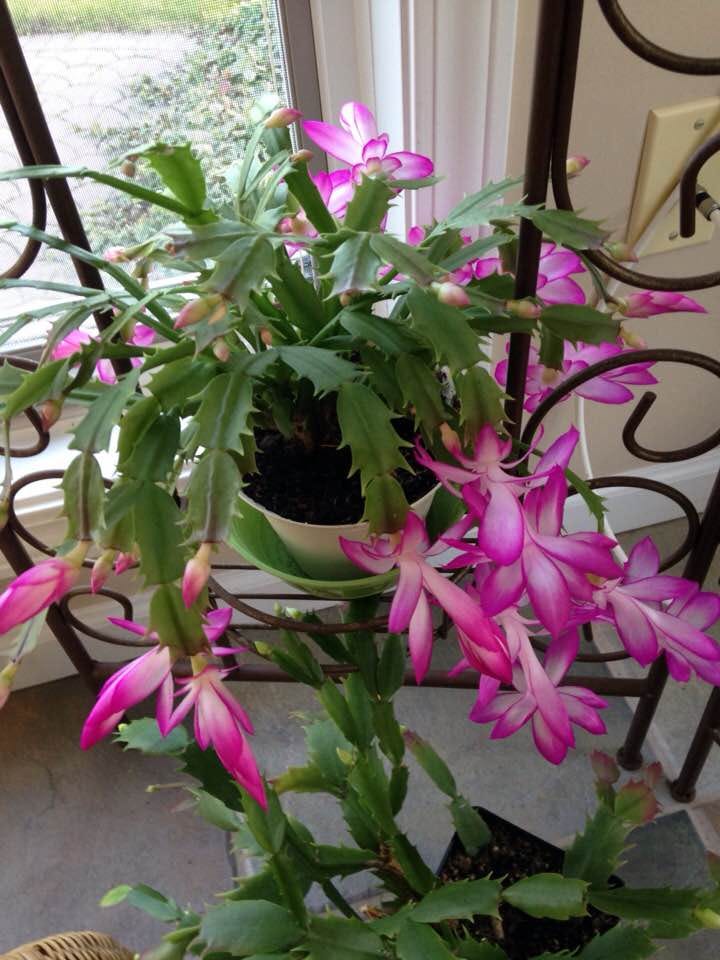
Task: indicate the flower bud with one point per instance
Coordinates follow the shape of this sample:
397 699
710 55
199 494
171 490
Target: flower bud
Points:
116 255
197 571
50 411
632 340
197 310
604 767
266 336
219 313
101 570
123 562
347 297
128 167
221 350
525 309
575 164
452 294
302 156
7 675
708 918
282 117
622 252
549 376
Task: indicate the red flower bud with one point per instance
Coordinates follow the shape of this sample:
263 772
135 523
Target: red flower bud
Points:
575 164
282 117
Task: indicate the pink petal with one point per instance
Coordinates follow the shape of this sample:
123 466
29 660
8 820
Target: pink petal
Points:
580 554
375 149
549 503
364 557
513 718
420 638
685 634
216 623
407 595
552 747
547 590
559 452
582 714
643 560
561 654
563 290
701 611
634 629
661 587
502 588
414 535
487 694
359 121
602 390
412 165
336 142
502 530
560 263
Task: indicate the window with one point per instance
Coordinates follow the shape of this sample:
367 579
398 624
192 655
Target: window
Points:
114 76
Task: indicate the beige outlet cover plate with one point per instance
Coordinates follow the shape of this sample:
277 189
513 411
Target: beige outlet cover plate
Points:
672 134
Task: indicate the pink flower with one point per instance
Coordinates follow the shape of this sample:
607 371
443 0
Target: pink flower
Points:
116 255
489 489
219 722
539 699
551 567
555 283
417 584
37 588
611 387
637 603
143 336
649 303
360 145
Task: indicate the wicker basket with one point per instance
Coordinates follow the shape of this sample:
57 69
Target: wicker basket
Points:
71 946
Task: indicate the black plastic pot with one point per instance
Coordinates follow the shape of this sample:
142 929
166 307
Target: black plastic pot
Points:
524 936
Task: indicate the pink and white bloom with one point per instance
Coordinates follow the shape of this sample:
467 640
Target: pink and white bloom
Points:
418 583
357 143
555 283
656 613
220 722
539 698
489 489
40 586
649 303
551 567
613 386
143 676
143 336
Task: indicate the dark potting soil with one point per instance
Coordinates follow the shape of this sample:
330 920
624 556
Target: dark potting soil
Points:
314 487
513 855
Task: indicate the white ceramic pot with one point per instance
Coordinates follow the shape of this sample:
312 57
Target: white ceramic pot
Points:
315 546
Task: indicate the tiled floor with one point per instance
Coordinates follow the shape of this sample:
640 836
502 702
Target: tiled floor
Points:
77 824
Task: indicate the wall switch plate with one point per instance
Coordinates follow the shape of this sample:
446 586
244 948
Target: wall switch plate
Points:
672 134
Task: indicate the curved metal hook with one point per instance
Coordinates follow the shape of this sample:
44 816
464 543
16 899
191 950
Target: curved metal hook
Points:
642 407
688 183
625 31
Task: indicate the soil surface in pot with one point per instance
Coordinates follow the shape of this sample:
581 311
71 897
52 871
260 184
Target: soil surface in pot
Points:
512 855
314 487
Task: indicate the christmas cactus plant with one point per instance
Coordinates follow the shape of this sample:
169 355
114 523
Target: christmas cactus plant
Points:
487 901
286 353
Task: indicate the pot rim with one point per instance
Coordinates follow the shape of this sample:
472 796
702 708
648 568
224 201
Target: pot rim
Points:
325 526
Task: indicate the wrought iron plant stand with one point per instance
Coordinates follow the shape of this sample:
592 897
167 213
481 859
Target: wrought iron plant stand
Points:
556 61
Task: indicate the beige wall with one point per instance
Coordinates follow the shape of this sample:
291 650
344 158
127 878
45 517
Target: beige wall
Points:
614 92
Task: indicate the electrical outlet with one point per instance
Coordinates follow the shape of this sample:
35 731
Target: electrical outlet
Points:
672 134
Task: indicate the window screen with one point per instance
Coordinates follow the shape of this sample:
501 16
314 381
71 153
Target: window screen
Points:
111 76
